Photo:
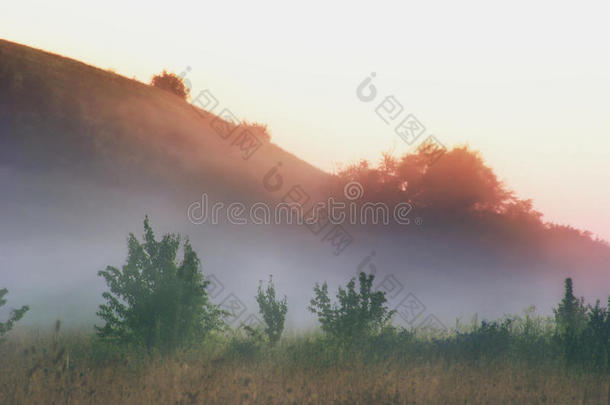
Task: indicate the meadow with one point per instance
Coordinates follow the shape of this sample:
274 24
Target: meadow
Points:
516 362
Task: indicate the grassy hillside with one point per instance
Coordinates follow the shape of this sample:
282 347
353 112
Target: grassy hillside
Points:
57 113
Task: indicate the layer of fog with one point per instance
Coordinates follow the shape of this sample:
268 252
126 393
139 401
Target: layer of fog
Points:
59 230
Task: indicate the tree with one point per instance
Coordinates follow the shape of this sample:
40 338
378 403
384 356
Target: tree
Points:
357 315
596 337
272 310
154 300
172 83
447 184
458 183
571 321
15 315
570 315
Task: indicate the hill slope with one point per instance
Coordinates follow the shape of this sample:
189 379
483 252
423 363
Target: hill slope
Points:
59 113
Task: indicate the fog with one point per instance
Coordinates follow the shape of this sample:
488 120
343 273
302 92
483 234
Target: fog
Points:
60 229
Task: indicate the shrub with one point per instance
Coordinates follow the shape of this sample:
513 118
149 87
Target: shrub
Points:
272 310
261 131
583 331
172 83
358 314
156 301
243 348
570 315
570 321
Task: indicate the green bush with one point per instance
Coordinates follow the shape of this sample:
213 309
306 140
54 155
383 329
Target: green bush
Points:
273 311
357 315
155 301
583 331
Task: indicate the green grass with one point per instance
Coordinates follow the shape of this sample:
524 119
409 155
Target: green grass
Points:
470 365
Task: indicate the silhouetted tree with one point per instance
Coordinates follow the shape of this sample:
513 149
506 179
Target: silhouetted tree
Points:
156 301
570 315
570 320
457 183
172 83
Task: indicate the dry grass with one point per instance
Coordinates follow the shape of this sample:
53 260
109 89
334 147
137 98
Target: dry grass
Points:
53 370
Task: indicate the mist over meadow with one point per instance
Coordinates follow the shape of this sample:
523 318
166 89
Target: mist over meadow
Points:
86 154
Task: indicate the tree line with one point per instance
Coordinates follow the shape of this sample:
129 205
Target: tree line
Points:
159 301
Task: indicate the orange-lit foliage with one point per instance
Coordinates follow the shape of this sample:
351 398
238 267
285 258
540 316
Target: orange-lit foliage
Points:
460 193
172 83
459 188
459 182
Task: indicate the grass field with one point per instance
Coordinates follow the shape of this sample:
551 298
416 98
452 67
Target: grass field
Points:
74 368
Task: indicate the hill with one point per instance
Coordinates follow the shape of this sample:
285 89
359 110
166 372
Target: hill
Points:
85 153
59 113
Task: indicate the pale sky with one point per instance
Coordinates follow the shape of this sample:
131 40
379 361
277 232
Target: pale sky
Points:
525 83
